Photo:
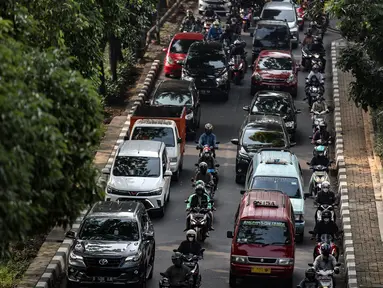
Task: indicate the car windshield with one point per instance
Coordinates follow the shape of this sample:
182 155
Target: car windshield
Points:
109 229
181 46
208 62
271 33
159 134
263 137
275 63
127 166
173 98
263 233
288 185
275 14
276 105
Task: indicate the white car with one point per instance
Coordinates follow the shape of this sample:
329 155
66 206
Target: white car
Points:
219 6
140 171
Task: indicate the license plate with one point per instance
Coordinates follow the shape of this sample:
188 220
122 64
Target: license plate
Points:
261 270
102 279
274 87
205 91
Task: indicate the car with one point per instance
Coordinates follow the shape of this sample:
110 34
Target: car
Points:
207 65
275 70
258 131
140 172
177 50
283 11
300 12
219 6
263 243
270 35
179 93
279 168
277 103
114 245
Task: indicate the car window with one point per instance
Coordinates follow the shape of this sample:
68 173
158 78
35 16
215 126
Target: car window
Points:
181 46
288 185
275 14
159 134
164 162
208 62
263 137
173 98
128 166
271 33
275 63
263 232
276 105
109 229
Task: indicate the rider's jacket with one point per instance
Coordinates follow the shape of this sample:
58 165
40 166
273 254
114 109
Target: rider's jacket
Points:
237 50
186 247
177 275
320 160
207 178
318 75
326 228
322 264
324 135
327 198
202 201
214 33
206 139
188 19
319 107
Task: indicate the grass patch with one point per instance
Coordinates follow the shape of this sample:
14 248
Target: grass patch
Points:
21 256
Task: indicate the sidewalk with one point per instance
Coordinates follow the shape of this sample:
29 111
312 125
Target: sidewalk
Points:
360 178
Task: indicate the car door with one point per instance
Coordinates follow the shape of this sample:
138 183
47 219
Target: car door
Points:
249 176
196 104
177 136
165 166
145 230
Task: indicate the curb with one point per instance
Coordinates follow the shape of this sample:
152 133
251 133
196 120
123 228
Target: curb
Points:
57 265
348 245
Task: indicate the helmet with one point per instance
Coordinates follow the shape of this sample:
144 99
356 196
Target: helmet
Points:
177 259
319 150
200 189
325 186
227 27
191 235
237 43
208 128
189 12
310 273
315 68
203 167
326 216
216 23
325 249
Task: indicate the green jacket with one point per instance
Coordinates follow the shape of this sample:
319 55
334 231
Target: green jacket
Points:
193 201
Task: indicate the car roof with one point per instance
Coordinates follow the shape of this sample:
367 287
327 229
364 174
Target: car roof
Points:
279 6
140 148
276 54
207 47
275 162
115 209
279 210
173 86
272 22
276 94
189 35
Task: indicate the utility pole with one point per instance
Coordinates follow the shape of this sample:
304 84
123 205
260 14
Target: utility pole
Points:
158 23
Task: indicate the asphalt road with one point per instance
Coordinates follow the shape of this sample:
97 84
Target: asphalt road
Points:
227 118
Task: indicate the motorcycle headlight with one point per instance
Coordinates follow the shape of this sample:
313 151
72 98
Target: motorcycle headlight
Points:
134 258
285 261
289 124
189 116
75 260
291 78
238 259
192 221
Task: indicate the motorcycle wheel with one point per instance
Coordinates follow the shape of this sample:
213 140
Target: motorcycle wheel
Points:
237 79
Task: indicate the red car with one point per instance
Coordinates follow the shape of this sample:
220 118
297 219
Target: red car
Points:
177 50
275 70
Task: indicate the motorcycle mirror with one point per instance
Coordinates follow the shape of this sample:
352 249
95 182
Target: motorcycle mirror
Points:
217 165
175 250
311 232
311 264
186 201
196 142
202 250
162 274
196 164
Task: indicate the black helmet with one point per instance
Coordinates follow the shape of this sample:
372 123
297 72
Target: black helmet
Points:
325 249
199 189
203 167
326 216
309 32
310 274
177 259
208 128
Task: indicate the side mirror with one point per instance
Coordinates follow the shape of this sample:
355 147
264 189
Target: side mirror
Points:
246 108
192 180
242 192
311 264
217 142
217 165
168 173
175 250
186 201
71 234
235 141
298 111
202 250
179 140
126 138
105 171
229 234
148 236
196 164
292 144
165 50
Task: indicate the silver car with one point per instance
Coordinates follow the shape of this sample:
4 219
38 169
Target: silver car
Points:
284 11
219 6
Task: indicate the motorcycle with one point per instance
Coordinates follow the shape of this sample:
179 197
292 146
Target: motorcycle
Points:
311 58
321 209
322 145
191 261
165 283
317 178
237 69
326 238
206 148
198 221
313 93
326 277
246 19
318 118
214 173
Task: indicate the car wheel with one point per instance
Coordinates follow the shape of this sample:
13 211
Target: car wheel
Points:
176 175
168 198
232 281
143 279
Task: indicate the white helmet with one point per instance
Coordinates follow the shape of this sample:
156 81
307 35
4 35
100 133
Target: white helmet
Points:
237 42
191 235
326 186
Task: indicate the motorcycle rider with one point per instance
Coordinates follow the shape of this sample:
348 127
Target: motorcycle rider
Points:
319 158
227 34
210 14
215 31
319 106
309 39
198 25
200 199
189 20
208 138
315 78
310 280
239 49
321 134
315 73
326 261
177 273
325 196
203 175
325 226
190 245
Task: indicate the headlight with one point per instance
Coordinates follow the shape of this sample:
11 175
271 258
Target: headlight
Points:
155 192
111 190
186 77
238 259
169 60
289 124
294 30
134 258
285 261
189 116
257 77
291 78
75 259
299 217
173 159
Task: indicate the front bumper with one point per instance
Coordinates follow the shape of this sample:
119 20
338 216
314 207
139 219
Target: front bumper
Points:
218 7
150 202
244 270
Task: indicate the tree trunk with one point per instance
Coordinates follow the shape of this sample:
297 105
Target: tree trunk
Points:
115 55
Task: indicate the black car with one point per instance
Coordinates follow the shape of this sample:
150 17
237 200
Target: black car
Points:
258 131
179 93
206 64
270 35
114 245
276 103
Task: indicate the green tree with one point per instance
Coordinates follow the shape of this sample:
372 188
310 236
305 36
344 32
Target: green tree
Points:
361 25
49 127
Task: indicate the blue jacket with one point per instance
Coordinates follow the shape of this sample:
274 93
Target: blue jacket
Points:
210 140
214 33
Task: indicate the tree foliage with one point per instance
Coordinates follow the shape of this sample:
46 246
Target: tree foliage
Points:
361 25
